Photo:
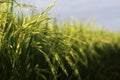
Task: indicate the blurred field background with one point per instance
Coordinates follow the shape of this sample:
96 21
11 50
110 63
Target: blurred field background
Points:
104 13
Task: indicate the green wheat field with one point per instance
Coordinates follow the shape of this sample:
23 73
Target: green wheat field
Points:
33 47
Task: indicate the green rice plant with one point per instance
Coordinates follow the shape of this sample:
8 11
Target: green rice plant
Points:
33 48
16 41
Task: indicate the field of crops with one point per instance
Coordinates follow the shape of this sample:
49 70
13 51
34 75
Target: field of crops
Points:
32 47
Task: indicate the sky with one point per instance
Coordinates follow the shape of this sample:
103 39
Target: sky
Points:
102 12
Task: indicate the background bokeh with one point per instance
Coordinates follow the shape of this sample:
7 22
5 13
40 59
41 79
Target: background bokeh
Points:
103 12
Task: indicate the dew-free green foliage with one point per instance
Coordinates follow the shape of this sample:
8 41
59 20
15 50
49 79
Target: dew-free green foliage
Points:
33 48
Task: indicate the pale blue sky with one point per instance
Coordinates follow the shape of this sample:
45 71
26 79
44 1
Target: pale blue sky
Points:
104 12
